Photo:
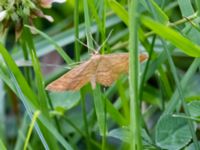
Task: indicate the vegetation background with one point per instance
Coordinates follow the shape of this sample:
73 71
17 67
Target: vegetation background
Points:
155 107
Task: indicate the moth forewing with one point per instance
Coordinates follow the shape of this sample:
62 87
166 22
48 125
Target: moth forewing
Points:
74 79
103 69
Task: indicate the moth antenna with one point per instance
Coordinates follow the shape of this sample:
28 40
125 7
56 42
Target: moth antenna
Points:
86 45
105 41
25 63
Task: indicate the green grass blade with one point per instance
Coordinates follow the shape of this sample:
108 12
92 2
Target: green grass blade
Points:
95 13
102 13
21 133
29 97
55 133
182 98
186 8
173 36
58 48
135 120
2 110
28 106
2 146
42 98
99 107
115 114
198 6
87 24
85 120
35 116
65 38
76 23
165 82
124 100
122 13
157 12
185 80
25 87
119 10
27 37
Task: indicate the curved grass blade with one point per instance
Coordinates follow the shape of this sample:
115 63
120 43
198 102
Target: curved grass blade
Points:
29 97
58 48
35 116
173 36
2 146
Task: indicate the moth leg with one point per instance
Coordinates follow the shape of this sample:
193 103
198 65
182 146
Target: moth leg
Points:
93 82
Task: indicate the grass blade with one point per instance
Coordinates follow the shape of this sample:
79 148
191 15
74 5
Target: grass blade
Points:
29 97
182 98
58 48
2 146
76 23
135 121
173 36
35 116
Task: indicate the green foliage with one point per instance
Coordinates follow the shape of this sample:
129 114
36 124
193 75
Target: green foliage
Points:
172 132
2 146
155 107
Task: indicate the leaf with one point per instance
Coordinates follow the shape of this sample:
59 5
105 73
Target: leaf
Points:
186 8
194 108
173 36
123 14
191 146
26 94
172 133
115 114
119 10
157 12
123 134
99 103
185 81
50 40
66 100
62 38
2 146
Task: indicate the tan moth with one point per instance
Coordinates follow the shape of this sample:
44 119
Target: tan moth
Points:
102 69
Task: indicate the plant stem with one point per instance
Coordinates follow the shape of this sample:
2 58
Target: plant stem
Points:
76 23
85 120
147 66
134 77
105 125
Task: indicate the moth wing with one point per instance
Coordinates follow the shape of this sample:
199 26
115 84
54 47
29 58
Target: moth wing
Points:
74 79
110 67
104 73
119 63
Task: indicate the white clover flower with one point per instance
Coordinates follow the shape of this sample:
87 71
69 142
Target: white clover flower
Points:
3 15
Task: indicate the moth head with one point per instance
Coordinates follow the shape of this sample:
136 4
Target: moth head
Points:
96 52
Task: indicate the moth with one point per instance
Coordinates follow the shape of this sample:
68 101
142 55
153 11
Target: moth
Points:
102 69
